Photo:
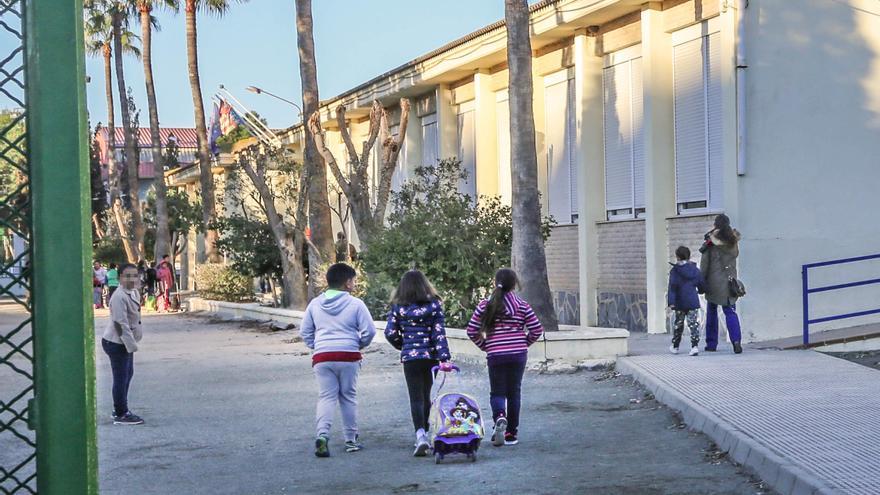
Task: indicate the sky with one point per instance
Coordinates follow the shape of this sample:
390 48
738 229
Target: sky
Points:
255 45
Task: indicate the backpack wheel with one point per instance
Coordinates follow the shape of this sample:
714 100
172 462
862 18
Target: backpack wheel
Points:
437 457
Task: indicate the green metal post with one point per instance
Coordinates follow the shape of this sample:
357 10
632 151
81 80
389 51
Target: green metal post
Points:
64 349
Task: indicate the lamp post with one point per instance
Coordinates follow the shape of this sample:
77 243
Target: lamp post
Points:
254 89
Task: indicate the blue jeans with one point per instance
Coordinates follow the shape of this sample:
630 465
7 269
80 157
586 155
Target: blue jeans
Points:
122 364
730 318
505 382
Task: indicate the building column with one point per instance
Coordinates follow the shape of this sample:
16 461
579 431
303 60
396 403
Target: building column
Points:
486 139
447 122
413 142
590 153
659 158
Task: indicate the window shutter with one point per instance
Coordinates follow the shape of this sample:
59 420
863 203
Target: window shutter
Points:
571 144
714 112
558 179
502 118
638 114
430 141
467 151
618 137
690 122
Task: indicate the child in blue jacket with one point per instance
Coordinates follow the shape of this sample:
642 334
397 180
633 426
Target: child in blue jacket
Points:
416 328
685 281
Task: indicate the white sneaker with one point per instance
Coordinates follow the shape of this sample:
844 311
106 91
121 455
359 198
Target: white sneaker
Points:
498 433
695 350
673 349
422 444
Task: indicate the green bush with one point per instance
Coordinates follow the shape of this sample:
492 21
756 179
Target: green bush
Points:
223 283
458 243
109 250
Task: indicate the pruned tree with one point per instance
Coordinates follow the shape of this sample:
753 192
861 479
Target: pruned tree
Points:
368 215
527 251
288 227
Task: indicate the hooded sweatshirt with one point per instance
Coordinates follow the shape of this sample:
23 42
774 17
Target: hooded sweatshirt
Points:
685 280
124 326
338 325
515 328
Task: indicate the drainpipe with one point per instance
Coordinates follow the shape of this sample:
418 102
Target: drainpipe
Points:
741 66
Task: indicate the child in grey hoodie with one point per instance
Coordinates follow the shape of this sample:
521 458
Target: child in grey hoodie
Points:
337 326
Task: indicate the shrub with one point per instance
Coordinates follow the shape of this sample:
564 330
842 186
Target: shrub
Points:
109 250
458 243
223 283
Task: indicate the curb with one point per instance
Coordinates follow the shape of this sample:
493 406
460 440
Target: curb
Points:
774 469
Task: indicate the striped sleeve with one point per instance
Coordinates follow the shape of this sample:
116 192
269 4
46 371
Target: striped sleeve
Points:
473 327
532 324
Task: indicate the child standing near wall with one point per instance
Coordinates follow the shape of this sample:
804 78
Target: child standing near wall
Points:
685 280
416 328
504 326
337 326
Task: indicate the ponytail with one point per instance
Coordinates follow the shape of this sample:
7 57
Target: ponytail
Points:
505 281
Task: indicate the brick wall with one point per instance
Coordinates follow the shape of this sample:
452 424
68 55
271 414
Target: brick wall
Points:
622 261
562 258
688 231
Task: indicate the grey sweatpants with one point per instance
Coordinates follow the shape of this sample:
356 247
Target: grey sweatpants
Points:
337 383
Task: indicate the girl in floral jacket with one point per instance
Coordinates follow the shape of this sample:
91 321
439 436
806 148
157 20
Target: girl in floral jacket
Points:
416 328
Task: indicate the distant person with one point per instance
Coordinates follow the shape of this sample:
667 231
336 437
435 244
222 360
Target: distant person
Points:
341 245
337 326
720 250
99 279
685 280
112 280
150 277
416 328
504 326
120 339
165 278
142 276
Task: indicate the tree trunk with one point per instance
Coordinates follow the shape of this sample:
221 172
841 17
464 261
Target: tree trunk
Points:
131 155
114 168
527 252
320 223
206 178
162 234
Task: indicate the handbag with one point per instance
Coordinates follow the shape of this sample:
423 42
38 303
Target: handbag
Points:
735 286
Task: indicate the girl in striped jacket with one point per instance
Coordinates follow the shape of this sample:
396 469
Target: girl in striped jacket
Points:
504 326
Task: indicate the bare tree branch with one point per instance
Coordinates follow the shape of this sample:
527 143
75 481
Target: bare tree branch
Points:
391 147
326 154
346 136
376 113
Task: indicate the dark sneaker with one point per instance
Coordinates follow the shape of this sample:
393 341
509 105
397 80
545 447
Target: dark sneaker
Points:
737 348
709 349
321 448
353 445
510 439
128 419
499 432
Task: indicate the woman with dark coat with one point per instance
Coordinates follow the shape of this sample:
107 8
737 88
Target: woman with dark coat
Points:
718 265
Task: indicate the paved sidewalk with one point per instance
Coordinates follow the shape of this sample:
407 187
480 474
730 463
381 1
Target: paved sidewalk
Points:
805 422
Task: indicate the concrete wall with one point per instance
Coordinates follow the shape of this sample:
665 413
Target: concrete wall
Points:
813 155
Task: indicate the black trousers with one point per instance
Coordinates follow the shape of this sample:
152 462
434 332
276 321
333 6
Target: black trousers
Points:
122 364
505 395
419 380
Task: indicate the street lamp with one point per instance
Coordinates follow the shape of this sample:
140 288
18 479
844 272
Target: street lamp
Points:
254 89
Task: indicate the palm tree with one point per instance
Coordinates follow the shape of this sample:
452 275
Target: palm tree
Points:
99 42
148 23
527 252
319 204
119 17
217 7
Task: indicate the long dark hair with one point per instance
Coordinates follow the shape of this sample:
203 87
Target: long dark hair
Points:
724 230
414 288
505 281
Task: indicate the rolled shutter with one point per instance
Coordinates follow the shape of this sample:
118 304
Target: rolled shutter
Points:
430 140
558 175
502 119
690 122
714 122
618 137
467 151
571 144
638 114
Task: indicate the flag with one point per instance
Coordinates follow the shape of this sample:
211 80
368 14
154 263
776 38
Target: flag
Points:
229 118
215 130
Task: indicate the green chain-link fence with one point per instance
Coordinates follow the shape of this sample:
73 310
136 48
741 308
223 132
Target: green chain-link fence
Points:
17 442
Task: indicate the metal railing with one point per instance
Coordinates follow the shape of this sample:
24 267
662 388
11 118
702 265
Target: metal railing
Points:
807 290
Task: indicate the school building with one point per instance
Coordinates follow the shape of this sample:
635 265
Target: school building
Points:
653 117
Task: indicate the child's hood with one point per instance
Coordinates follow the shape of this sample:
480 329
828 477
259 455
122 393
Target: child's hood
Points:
687 271
416 311
512 303
337 304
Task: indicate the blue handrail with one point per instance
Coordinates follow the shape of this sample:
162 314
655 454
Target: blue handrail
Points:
807 290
